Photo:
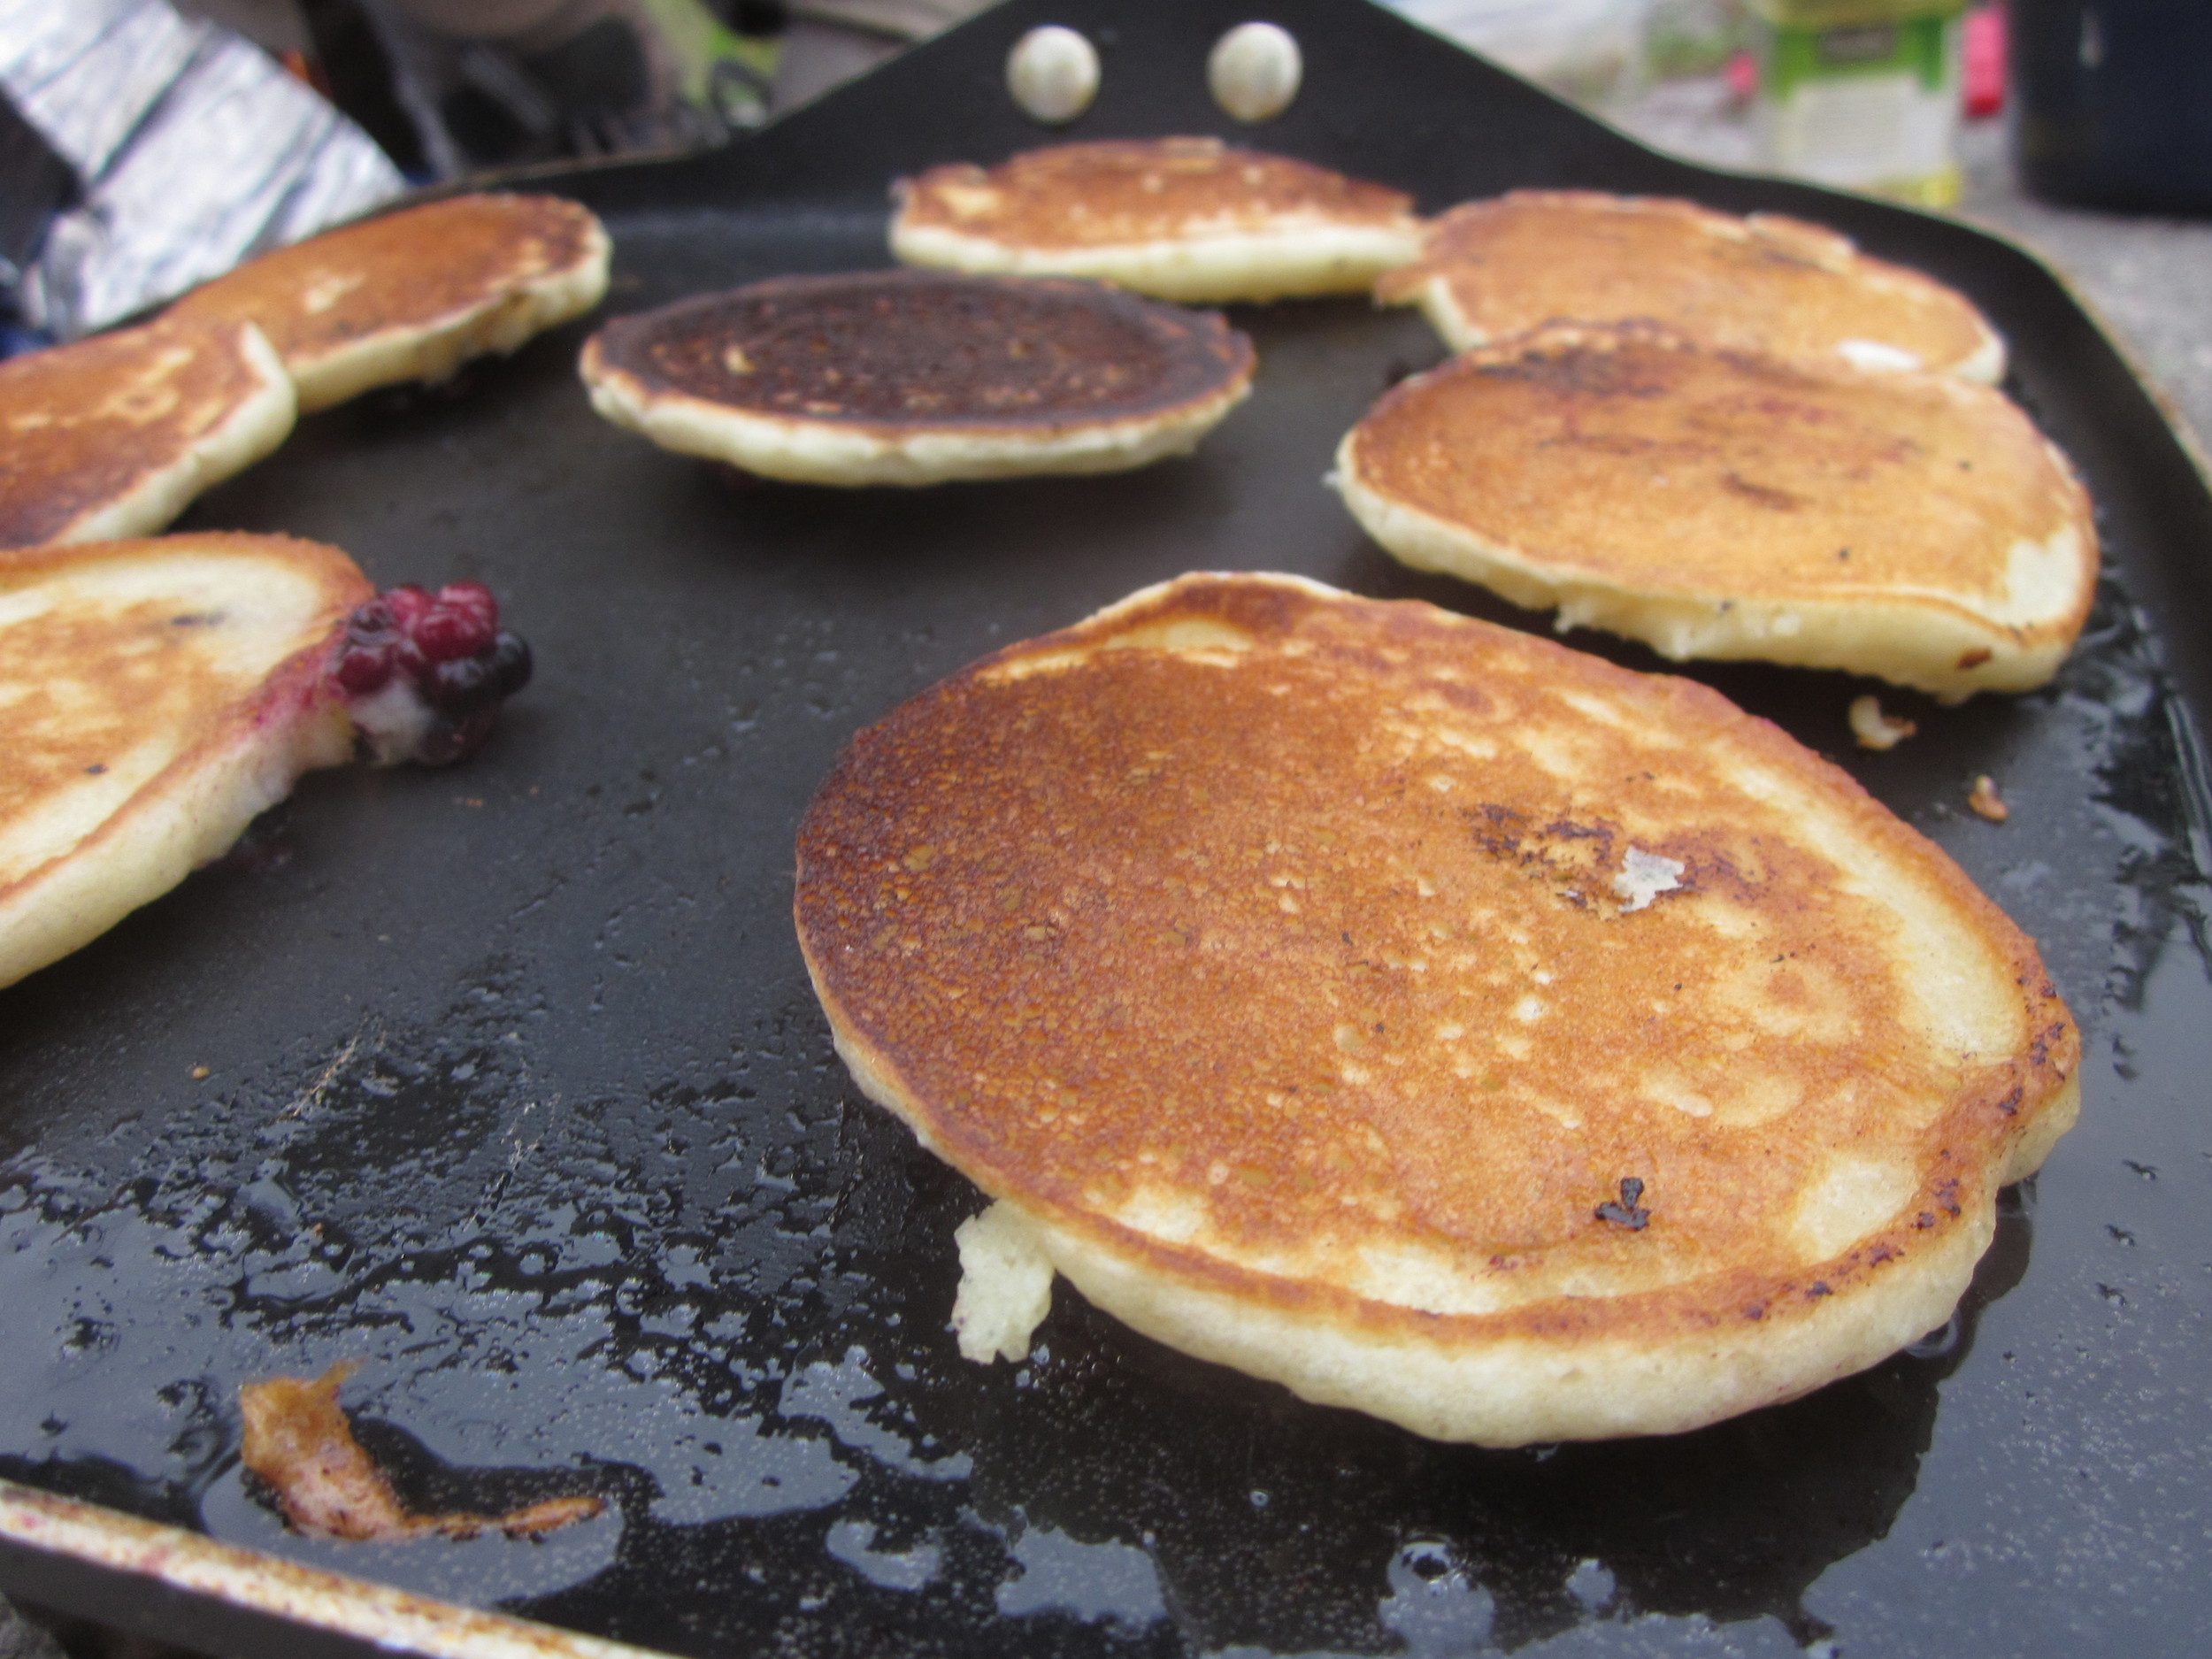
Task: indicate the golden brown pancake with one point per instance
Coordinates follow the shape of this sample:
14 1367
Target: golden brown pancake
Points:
412 296
114 435
915 377
1442 1022
157 695
1492 269
1719 504
1182 218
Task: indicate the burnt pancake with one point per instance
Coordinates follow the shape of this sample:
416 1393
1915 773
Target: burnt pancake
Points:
1433 1018
410 295
114 435
1721 505
915 377
1492 269
1182 218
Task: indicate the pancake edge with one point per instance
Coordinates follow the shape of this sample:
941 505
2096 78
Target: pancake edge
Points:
1288 262
432 350
856 453
1514 1390
213 789
1985 365
1913 640
252 430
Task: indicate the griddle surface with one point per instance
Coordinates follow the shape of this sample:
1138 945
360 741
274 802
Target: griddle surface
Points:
516 1093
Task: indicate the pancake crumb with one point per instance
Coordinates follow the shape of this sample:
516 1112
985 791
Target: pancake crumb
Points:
1985 800
1875 729
1005 1286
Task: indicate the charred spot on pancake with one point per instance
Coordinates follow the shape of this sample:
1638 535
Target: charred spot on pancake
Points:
1581 368
1765 496
1627 1212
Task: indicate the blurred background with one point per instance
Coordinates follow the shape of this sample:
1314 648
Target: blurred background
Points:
146 145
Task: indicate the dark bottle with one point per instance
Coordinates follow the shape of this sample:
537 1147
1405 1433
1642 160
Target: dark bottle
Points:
2112 102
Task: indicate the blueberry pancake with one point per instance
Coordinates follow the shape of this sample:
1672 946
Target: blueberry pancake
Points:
156 696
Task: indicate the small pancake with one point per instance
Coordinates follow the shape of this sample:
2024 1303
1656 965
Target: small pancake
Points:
1440 1021
412 296
1181 218
1492 269
159 695
1717 504
114 435
914 377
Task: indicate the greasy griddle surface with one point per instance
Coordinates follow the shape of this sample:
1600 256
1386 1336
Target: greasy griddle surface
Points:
514 1090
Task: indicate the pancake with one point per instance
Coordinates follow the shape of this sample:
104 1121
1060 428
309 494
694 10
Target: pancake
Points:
913 377
1438 1021
1492 269
1716 504
156 696
414 294
1180 218
114 435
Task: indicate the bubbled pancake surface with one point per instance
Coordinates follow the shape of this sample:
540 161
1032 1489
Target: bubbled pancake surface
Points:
159 693
1000 373
113 435
1271 945
1186 218
477 272
1496 268
1718 504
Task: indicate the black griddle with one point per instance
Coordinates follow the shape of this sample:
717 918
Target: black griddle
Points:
515 1094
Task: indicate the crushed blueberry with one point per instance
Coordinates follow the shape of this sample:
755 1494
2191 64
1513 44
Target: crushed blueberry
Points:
426 672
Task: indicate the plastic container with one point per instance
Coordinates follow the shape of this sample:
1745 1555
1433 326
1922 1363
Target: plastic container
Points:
1864 94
